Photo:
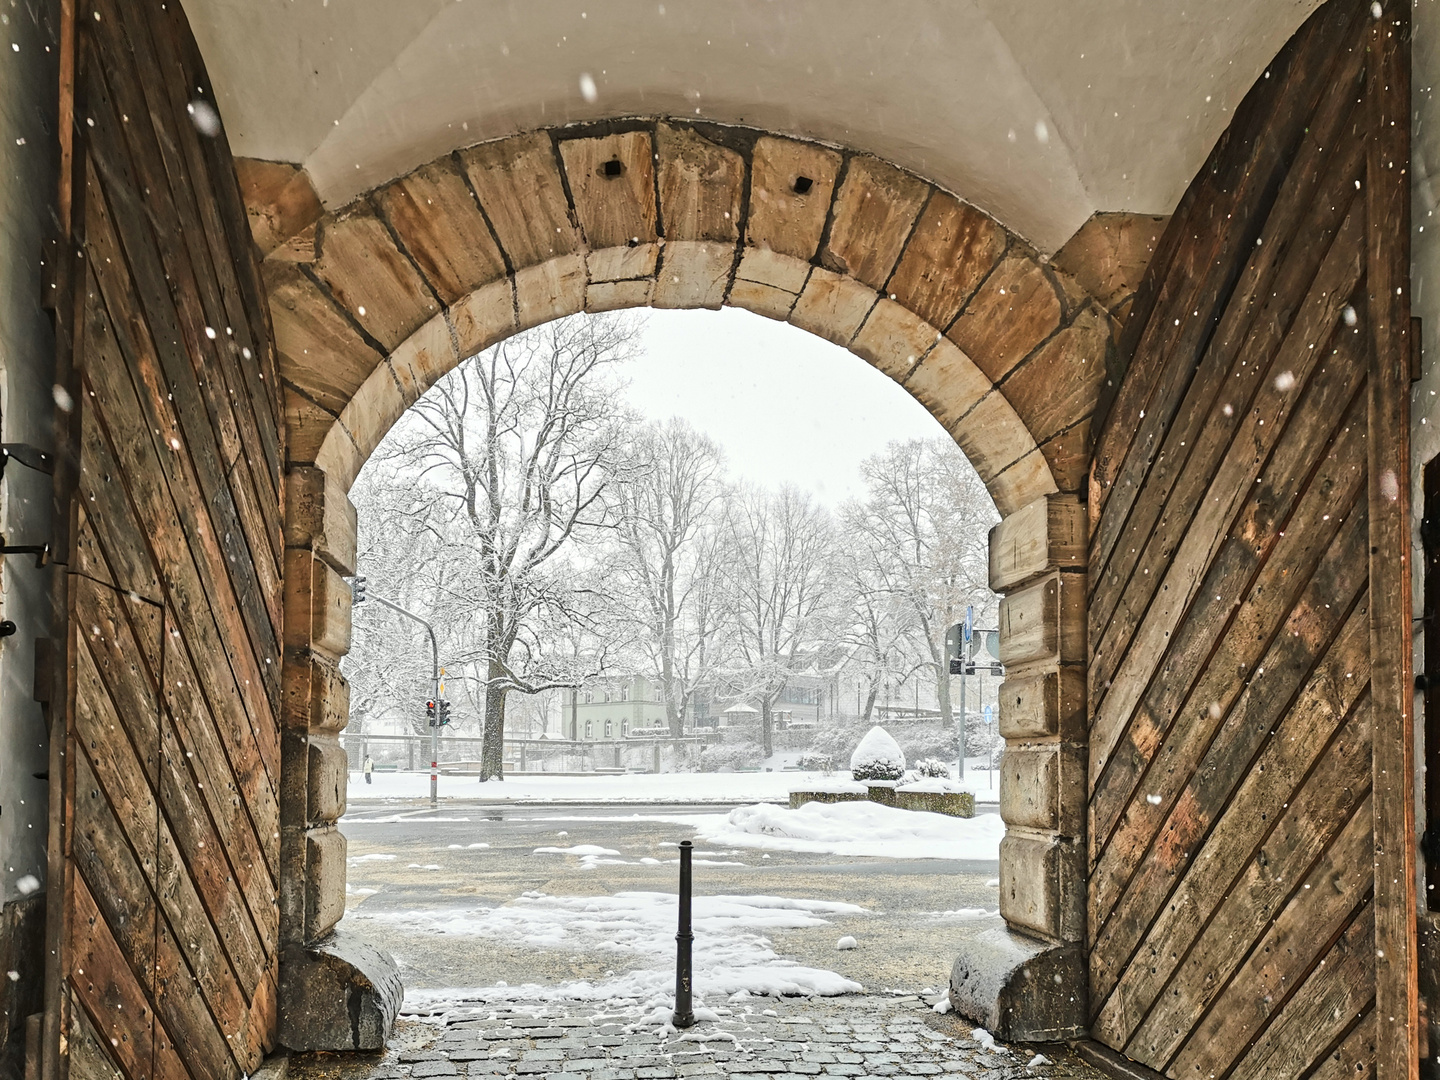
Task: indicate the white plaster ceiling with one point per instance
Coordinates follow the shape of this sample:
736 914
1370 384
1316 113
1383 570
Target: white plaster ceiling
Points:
1132 93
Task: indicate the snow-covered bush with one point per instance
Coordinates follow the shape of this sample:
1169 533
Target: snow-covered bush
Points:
813 762
928 739
933 768
878 757
731 755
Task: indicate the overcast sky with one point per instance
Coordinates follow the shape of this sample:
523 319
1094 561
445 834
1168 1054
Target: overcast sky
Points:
785 405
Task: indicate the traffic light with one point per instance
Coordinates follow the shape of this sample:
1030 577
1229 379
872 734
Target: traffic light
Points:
357 590
444 712
430 713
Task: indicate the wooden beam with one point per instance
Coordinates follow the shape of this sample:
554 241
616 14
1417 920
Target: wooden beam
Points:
1388 277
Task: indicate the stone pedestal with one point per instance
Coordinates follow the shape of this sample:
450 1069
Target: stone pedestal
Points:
337 994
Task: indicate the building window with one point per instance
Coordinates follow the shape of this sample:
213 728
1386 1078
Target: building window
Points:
589 696
589 729
624 728
609 729
607 695
624 693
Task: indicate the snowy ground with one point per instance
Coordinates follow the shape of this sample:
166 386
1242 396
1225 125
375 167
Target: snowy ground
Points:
629 788
533 904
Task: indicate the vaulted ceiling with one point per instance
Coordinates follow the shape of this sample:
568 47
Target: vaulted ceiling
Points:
1041 112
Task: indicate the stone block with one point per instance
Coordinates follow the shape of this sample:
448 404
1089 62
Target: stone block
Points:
1020 989
518 183
951 250
947 382
479 320
321 517
773 268
700 186
1043 787
800 798
612 179
440 224
1018 484
623 263
1109 253
959 804
1042 885
790 187
992 436
764 300
1044 621
315 696
337 994
318 348
1044 703
380 401
1046 535
1013 312
429 353
550 290
1061 381
693 274
874 210
618 295
833 306
327 775
317 605
338 455
279 200
894 340
368 275
324 880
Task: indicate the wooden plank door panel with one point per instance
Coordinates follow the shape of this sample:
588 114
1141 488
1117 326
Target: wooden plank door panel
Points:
170 503
1251 902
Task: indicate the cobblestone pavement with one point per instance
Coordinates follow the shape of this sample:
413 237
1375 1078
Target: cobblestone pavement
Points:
758 1039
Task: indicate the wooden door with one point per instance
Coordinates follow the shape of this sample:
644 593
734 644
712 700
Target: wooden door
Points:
165 761
1251 896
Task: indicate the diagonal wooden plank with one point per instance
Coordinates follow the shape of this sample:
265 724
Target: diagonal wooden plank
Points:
1170 830
1304 349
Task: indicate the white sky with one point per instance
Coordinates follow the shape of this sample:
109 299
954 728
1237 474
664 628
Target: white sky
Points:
786 405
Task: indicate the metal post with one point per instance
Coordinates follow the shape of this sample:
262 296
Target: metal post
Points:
434 695
963 662
684 942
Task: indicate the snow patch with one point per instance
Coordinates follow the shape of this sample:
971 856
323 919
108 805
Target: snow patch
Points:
846 943
732 953
578 849
854 829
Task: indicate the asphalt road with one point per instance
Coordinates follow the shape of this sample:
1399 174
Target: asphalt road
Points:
412 868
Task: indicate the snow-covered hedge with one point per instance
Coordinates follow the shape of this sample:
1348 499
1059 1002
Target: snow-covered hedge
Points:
878 757
933 768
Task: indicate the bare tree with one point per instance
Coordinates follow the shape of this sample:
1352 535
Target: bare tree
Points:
666 509
778 570
925 522
519 443
874 623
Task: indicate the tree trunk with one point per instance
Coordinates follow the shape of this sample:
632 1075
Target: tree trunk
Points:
492 748
767 728
870 700
942 693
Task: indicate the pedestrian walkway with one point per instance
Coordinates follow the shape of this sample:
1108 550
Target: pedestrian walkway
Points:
754 1039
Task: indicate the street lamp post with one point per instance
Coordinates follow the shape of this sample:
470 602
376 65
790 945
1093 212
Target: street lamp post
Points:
434 695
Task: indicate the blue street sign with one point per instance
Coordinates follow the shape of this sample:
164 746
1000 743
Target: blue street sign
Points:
969 622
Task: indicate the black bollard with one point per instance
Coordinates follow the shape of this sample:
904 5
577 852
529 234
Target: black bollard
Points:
684 940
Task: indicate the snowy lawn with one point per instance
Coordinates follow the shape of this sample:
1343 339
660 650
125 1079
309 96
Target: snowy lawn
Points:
629 788
852 829
732 953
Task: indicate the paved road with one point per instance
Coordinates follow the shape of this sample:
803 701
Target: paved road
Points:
414 878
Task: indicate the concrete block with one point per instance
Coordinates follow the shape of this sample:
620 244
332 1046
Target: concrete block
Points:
1042 885
1020 989
337 994
324 880
327 774
800 798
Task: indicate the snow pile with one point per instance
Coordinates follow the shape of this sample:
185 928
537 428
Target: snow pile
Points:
731 954
854 829
936 784
846 943
878 757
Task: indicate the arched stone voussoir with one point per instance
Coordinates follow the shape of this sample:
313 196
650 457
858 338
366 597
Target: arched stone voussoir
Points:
1004 349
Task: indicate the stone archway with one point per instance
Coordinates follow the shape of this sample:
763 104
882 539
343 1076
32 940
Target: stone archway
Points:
375 301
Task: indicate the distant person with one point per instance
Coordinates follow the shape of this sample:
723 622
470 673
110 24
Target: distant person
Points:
369 769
